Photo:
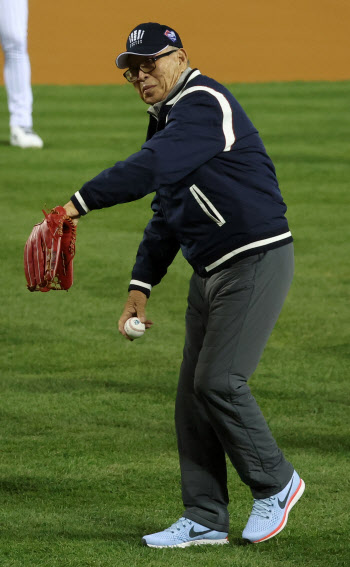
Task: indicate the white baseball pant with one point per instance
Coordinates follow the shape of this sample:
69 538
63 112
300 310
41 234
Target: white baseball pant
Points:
17 75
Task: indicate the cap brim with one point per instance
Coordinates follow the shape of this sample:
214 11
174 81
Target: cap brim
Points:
122 59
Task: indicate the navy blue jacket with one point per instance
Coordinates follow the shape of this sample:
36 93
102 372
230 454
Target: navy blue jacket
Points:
216 192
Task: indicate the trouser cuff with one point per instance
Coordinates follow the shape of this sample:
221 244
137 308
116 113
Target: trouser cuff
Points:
285 477
197 517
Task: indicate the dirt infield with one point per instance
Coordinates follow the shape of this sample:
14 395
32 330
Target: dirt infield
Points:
251 41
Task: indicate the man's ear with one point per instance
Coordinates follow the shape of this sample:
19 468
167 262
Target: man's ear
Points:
182 56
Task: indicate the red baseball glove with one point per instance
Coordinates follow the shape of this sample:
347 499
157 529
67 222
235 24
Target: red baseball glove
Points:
49 252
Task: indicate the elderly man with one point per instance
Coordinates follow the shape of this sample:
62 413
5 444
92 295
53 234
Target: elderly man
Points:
217 198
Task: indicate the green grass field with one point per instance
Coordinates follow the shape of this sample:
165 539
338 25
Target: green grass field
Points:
88 451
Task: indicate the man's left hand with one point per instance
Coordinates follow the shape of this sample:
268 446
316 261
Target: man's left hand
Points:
134 307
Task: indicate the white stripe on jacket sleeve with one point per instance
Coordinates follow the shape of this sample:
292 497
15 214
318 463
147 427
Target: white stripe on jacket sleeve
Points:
81 201
141 284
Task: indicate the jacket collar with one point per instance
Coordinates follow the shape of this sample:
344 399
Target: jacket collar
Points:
186 76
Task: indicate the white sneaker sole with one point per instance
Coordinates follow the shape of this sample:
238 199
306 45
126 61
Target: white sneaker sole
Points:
26 146
296 496
25 143
188 543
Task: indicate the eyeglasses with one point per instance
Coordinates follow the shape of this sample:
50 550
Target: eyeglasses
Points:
146 66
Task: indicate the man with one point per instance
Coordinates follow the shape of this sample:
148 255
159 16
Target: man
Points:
13 38
216 198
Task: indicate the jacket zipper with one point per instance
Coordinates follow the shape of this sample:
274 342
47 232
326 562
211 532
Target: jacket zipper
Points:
207 206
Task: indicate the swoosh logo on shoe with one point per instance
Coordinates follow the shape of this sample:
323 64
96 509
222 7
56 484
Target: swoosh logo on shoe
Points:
192 533
284 502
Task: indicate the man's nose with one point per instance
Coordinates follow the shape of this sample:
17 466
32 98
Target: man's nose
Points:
142 75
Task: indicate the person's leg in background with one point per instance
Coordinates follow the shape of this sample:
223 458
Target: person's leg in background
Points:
17 72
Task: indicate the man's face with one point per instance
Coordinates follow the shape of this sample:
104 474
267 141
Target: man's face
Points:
157 84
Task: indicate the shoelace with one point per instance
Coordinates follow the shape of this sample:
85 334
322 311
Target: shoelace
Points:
262 507
181 523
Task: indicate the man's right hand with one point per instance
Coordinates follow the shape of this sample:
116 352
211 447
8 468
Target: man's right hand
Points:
134 307
72 212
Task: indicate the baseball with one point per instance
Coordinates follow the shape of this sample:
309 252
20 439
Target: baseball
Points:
134 328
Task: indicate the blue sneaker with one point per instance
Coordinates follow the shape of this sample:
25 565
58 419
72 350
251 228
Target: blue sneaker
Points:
184 533
270 515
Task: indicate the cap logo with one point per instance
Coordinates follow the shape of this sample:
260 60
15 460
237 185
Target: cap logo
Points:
135 38
170 34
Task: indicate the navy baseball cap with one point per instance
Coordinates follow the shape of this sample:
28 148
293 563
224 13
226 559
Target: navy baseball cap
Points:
148 39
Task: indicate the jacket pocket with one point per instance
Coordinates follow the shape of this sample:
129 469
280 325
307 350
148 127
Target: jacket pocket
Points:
206 206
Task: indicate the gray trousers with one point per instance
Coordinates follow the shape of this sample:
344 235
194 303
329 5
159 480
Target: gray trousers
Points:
229 319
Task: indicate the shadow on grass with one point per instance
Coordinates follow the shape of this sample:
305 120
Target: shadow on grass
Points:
66 489
318 442
294 548
89 533
53 385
